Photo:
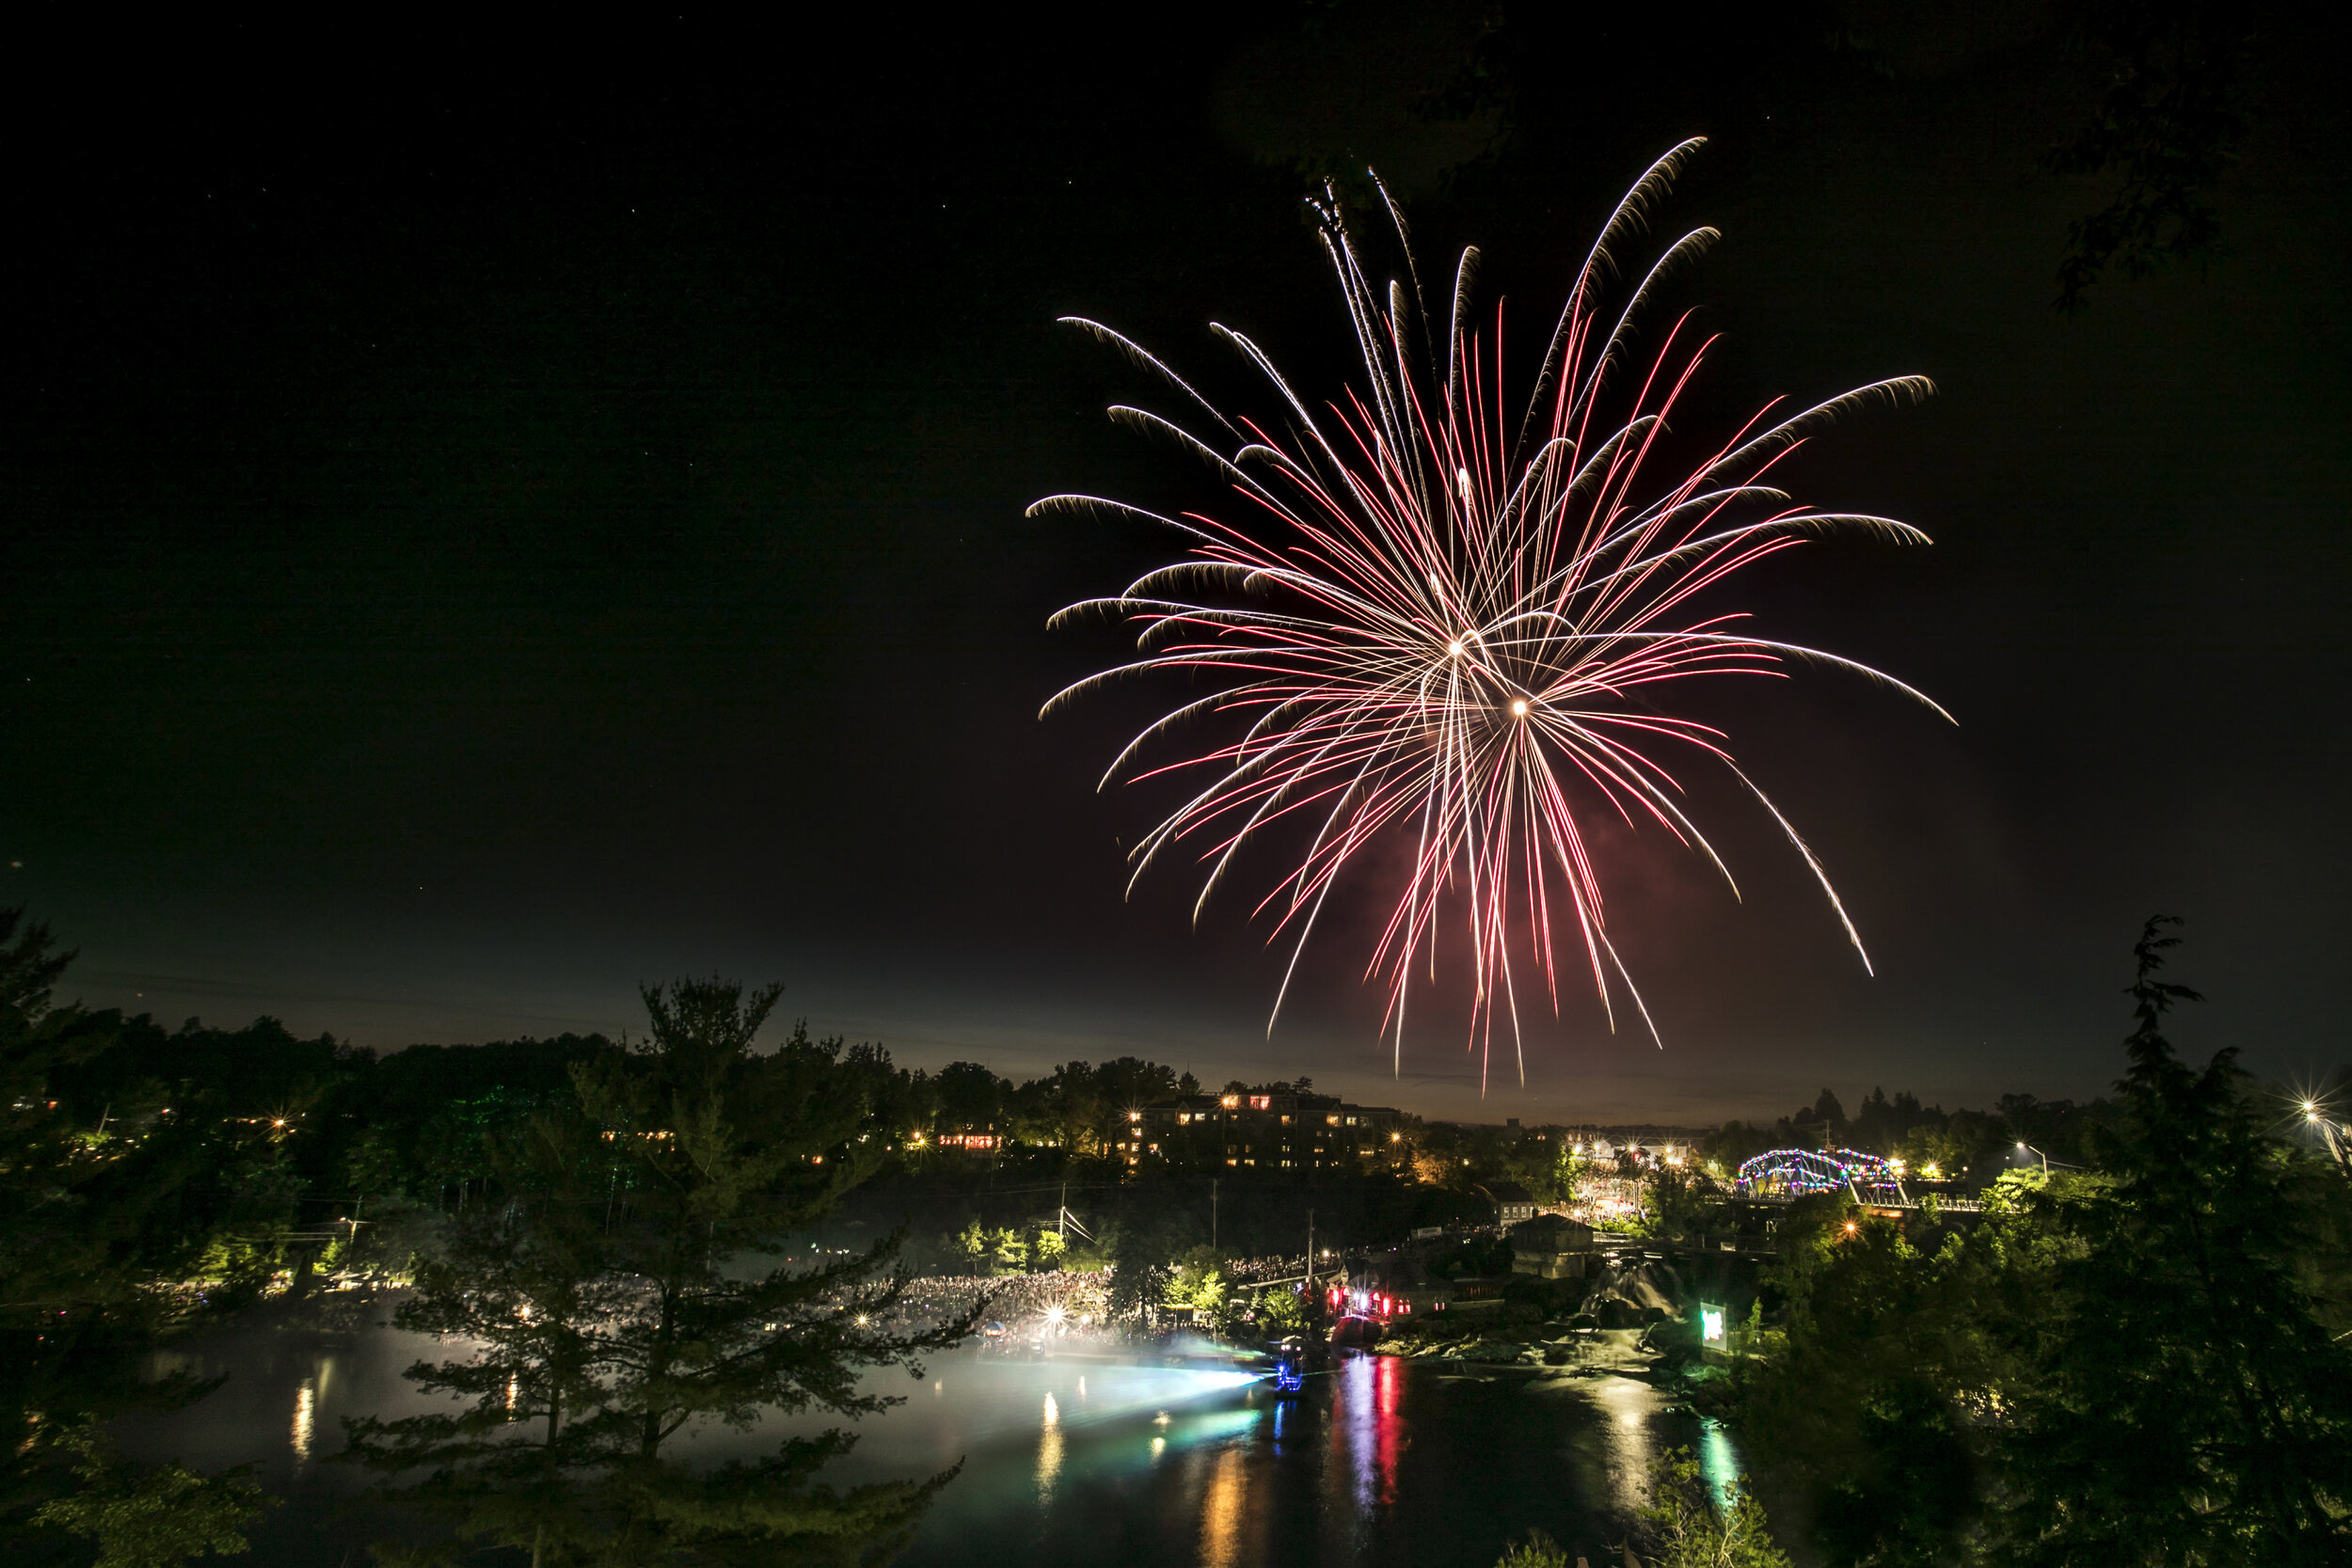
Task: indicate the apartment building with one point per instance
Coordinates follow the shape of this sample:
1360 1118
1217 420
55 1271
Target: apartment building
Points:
1260 1131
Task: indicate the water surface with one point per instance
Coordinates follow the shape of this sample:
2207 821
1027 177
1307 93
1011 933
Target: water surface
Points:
1382 1461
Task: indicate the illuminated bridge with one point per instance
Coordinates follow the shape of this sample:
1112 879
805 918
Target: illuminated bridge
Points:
1792 1172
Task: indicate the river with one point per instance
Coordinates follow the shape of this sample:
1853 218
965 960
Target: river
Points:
1383 1460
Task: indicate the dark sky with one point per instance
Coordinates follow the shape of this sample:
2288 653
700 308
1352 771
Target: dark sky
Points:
490 521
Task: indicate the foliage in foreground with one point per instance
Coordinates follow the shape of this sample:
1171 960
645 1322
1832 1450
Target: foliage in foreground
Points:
616 1298
93 1209
1681 1527
2147 1365
1685 1529
152 1516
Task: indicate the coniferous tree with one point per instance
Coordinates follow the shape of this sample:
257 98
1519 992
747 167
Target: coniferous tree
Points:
2143 1363
2188 1404
629 1287
86 1229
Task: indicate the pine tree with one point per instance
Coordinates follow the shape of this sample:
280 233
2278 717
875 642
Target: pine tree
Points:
87 1224
612 1313
2189 1405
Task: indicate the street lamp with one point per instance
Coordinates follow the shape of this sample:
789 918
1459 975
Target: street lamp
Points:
2028 1149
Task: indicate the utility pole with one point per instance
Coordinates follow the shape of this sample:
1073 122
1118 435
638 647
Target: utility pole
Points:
1061 1216
1311 1247
1212 1213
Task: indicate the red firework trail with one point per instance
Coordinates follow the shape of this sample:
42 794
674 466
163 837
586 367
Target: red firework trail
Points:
1441 628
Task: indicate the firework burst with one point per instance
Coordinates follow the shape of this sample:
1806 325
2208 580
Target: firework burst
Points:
1427 624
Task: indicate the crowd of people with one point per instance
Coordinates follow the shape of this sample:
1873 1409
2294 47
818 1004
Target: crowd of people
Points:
1256 1271
1021 1303
1025 1308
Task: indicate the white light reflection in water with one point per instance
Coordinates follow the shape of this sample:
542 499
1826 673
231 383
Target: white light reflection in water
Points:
1627 1406
1367 1421
1354 1421
305 1418
1049 1451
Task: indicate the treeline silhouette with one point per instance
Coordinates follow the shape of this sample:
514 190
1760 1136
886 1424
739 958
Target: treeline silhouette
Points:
2142 1353
617 1252
2143 1361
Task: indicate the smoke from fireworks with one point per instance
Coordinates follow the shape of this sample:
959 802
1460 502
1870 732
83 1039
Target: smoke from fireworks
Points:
1436 626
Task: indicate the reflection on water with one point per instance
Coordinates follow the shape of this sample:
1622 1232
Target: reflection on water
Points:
1719 1465
1371 1429
1049 1453
1068 1463
1220 1511
306 1416
1630 1412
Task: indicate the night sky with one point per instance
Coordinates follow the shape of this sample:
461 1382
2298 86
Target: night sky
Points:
493 521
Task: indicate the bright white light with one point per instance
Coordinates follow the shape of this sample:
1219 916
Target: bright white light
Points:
1518 706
